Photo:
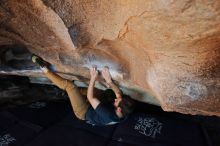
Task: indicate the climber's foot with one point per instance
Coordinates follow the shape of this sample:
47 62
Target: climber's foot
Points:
39 61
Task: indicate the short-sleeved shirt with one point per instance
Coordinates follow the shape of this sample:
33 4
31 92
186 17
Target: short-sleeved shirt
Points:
104 114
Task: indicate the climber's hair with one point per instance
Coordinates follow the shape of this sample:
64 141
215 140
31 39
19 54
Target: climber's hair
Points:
127 105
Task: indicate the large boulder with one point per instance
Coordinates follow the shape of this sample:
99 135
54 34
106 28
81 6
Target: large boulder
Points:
164 52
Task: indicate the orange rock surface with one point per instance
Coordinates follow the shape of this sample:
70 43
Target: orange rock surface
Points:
164 52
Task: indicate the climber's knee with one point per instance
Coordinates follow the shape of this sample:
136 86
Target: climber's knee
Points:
81 111
67 84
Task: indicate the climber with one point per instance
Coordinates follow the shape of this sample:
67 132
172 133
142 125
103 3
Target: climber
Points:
92 110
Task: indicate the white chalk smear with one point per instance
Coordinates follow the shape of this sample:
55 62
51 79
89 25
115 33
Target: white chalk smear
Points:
101 64
192 89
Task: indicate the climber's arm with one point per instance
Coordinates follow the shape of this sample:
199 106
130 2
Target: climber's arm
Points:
106 75
90 96
115 88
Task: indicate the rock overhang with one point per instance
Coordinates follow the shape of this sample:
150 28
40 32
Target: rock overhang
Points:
162 52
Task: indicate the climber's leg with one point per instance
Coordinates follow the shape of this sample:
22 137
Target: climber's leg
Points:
78 102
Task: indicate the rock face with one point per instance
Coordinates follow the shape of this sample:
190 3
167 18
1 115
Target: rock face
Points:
165 52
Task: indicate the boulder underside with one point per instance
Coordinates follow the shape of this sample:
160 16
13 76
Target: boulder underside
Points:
164 52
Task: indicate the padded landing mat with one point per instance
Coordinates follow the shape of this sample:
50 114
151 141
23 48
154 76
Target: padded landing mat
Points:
15 132
45 123
159 131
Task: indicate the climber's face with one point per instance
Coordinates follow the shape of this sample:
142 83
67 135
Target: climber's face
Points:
117 101
117 108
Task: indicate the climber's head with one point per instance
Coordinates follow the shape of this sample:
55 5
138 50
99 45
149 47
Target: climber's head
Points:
124 106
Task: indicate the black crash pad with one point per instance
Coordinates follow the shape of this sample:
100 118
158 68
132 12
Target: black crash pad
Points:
47 123
158 131
19 134
68 136
43 113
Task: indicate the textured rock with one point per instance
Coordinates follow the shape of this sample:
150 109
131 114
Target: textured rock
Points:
165 52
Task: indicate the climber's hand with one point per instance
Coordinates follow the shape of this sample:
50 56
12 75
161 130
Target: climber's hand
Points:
106 75
93 73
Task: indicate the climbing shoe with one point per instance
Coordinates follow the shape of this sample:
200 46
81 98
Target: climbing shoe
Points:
39 61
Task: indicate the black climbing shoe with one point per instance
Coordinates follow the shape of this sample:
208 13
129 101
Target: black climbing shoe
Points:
39 61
